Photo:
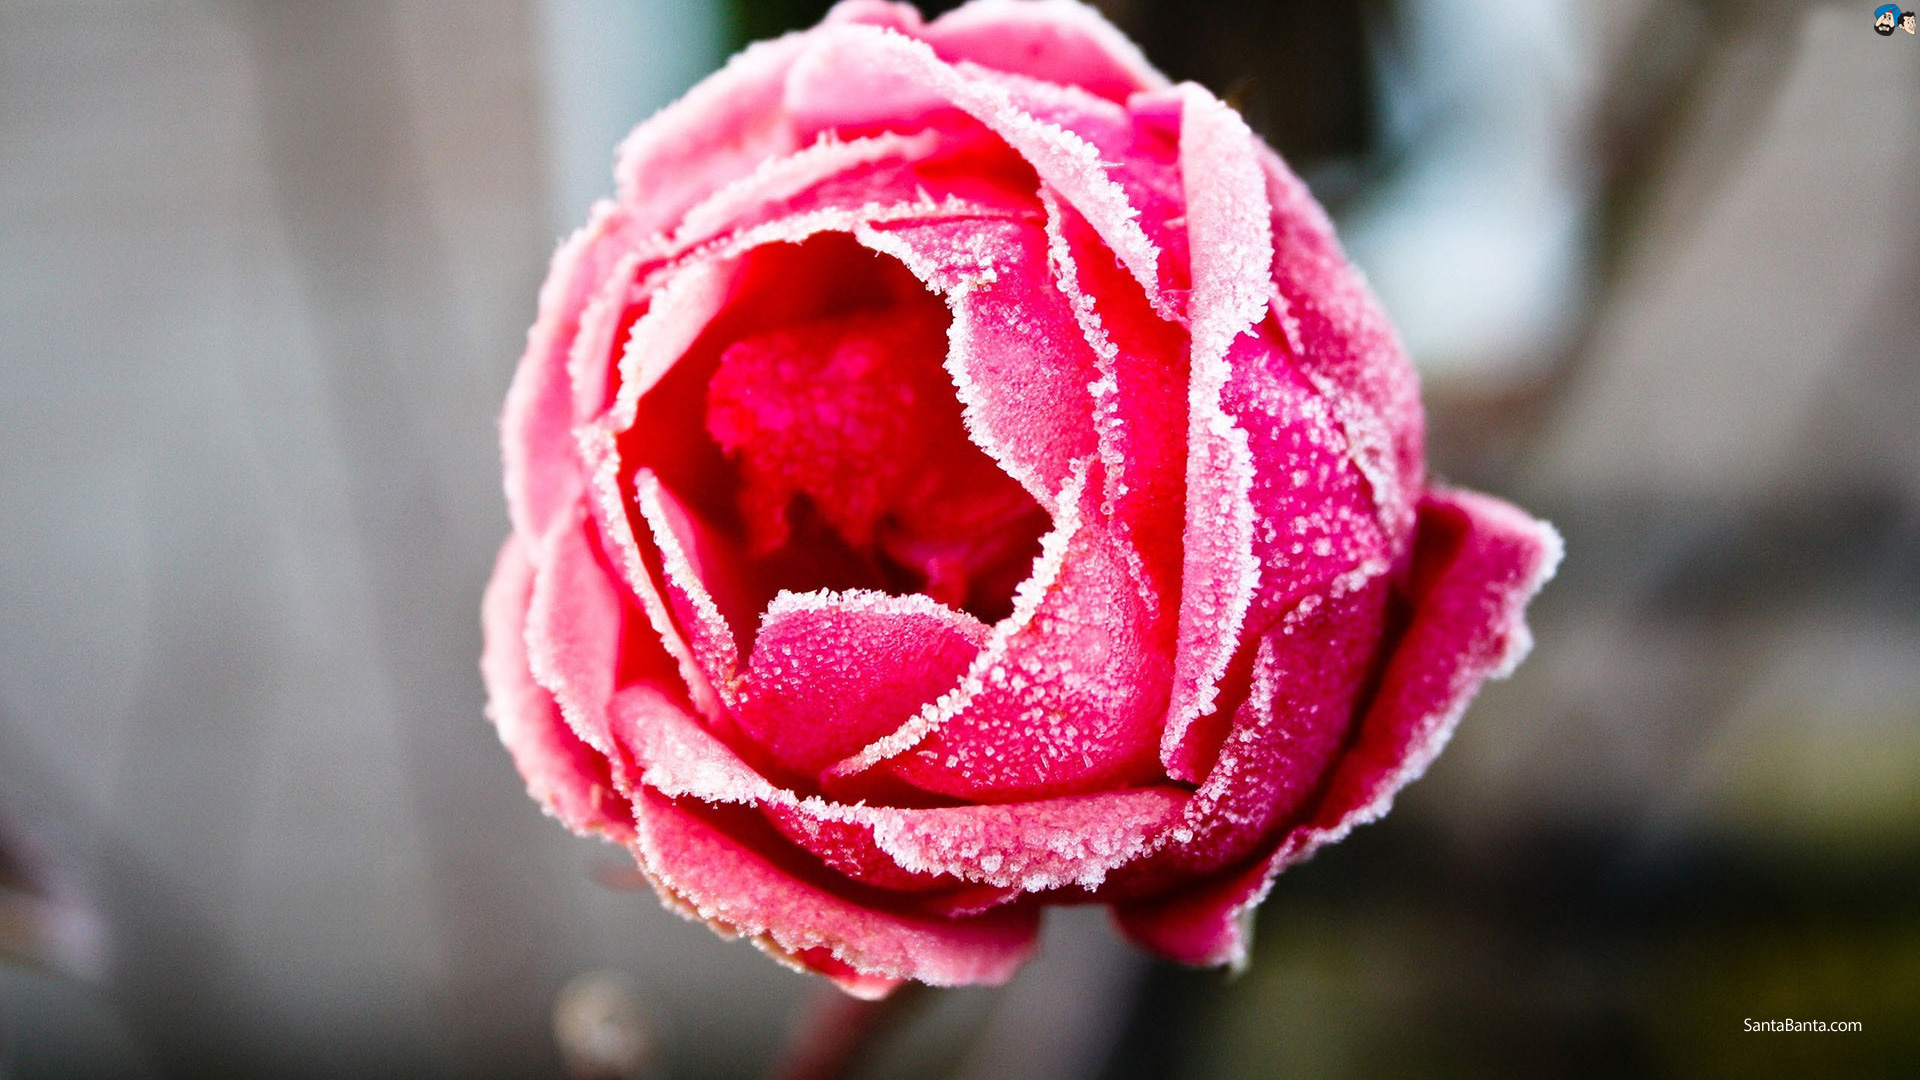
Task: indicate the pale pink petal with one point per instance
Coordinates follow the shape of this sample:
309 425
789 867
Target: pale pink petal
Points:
1062 41
766 192
714 872
721 130
1476 564
1232 249
574 626
861 75
569 779
831 672
1015 352
542 476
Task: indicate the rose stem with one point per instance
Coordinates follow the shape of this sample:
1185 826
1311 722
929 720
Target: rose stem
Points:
834 1033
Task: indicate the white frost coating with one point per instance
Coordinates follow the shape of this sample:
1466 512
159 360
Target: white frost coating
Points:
1026 604
1305 841
1064 160
542 661
593 339
1232 243
781 178
872 601
1108 429
798 227
985 845
602 459
956 287
680 310
713 642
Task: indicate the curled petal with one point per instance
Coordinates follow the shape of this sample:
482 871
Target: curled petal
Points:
1227 223
831 672
1477 562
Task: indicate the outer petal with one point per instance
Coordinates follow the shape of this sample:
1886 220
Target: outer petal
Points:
574 628
543 478
859 76
721 130
1046 844
569 779
1476 564
701 865
1061 41
1343 341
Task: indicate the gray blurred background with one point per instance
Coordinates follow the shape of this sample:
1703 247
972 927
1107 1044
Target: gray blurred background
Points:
265 269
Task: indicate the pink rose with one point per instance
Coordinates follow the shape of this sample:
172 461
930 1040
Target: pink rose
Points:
959 474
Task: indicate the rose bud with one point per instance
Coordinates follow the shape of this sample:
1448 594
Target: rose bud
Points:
960 473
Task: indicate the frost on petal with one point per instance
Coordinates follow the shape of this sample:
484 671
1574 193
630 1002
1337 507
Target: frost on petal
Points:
721 130
703 588
1015 353
713 863
1232 250
1062 41
614 515
574 627
1342 340
1305 683
1139 397
1067 695
1477 561
832 672
542 476
901 80
943 854
569 779
1316 536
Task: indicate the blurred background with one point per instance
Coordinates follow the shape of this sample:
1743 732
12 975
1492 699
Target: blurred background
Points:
264 271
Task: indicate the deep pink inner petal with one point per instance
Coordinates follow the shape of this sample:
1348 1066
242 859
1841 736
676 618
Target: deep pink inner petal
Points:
853 414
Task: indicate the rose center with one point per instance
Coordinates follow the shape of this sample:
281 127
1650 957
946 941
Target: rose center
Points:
849 441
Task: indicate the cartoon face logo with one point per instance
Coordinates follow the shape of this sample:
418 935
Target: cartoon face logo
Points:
1884 18
1907 21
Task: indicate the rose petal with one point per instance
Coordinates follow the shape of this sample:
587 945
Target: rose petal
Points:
703 589
1343 341
860 75
1477 562
573 628
1015 352
1318 538
1059 40
706 868
1067 695
1139 398
1014 845
542 476
831 672
569 779
1227 222
721 130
